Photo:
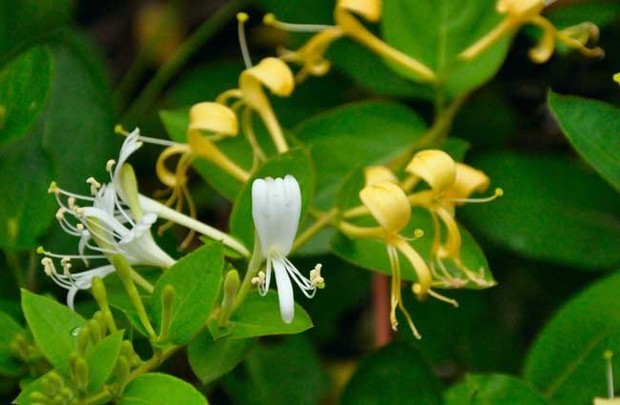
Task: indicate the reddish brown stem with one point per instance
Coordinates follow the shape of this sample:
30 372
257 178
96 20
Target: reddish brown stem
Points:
381 309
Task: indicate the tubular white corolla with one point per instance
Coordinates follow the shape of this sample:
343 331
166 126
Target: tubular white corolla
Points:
276 207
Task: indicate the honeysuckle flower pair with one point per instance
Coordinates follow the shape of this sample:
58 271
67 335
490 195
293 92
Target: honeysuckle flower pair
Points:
116 220
108 222
521 12
390 202
451 184
276 207
311 55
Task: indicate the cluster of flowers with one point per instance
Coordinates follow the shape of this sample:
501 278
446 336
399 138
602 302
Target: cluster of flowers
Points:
115 220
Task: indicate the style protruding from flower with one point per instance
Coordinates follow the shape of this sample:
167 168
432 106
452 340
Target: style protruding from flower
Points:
522 12
276 208
311 55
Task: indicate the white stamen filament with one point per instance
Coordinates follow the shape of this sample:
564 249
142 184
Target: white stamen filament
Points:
498 193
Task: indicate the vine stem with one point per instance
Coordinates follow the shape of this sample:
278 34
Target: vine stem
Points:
203 33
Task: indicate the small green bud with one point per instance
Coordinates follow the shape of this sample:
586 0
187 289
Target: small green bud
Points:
79 371
122 370
39 398
83 339
96 333
231 286
167 302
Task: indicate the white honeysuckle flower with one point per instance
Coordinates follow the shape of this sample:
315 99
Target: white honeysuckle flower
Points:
105 226
276 207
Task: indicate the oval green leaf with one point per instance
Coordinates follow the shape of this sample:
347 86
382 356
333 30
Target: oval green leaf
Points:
396 374
260 316
435 32
160 389
593 128
24 86
210 359
53 326
566 361
350 136
552 210
493 389
196 279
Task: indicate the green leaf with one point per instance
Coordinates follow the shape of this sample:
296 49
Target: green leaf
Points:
53 326
260 316
25 208
493 389
160 389
435 32
196 279
552 209
101 360
295 162
593 128
210 359
566 361
9 365
370 72
353 135
396 374
371 254
25 20
76 117
287 371
24 87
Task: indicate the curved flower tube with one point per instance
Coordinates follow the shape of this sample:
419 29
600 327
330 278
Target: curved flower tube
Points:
311 55
521 12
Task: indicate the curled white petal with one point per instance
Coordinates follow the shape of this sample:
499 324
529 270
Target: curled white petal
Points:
285 291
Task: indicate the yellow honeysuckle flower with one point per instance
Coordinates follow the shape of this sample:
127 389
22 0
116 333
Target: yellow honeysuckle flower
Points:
388 204
450 184
311 55
271 73
208 122
521 12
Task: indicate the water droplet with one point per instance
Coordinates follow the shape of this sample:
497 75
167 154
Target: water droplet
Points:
75 331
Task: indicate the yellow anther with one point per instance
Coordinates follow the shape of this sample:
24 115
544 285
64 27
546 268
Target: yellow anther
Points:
53 188
617 78
315 277
119 130
269 19
60 214
242 17
418 233
109 165
94 185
